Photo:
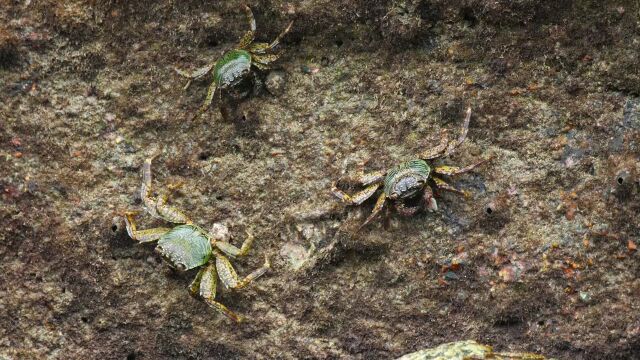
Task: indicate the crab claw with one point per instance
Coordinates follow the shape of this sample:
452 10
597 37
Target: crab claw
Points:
429 203
432 205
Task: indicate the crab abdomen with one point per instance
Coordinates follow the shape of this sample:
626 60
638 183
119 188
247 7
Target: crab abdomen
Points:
184 247
232 67
406 179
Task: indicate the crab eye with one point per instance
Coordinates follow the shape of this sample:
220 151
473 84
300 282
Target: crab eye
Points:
180 267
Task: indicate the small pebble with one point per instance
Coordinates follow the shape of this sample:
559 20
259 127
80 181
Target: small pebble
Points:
275 83
585 296
220 232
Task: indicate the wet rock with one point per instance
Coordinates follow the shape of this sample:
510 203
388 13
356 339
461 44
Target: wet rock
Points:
434 86
624 73
91 92
496 212
631 114
466 349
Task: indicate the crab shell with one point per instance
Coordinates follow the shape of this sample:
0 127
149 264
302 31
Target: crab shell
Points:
406 180
185 247
232 68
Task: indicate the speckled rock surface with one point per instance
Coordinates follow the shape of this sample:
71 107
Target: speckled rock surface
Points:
88 91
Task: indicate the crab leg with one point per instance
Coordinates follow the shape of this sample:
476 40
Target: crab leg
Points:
276 41
228 274
442 185
262 48
248 37
369 178
207 101
455 170
204 285
170 213
446 147
233 251
145 189
262 61
376 209
261 66
375 177
197 74
356 199
143 236
437 151
158 207
465 129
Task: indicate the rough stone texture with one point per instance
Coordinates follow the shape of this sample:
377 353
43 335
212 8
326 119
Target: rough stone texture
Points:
88 91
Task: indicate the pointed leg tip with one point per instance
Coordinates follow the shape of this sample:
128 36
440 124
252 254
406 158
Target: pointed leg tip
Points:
337 193
198 114
365 223
129 213
153 155
234 317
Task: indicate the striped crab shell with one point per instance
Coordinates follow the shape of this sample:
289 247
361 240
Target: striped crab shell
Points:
232 68
407 179
185 247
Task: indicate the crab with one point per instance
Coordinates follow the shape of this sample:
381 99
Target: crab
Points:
187 246
409 185
234 68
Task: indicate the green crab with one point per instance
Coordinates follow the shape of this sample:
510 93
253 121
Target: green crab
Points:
187 246
234 67
409 185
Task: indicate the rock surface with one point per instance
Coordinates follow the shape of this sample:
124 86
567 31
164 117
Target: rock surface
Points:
88 91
